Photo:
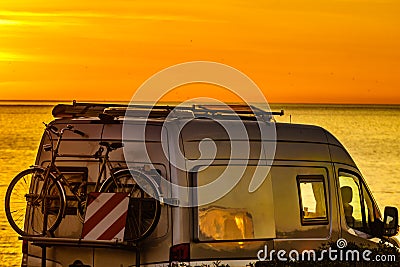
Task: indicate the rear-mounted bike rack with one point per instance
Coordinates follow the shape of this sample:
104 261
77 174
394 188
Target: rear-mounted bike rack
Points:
44 242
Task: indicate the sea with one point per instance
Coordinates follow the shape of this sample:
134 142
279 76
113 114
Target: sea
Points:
371 134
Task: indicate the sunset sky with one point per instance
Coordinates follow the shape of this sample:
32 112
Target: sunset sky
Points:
308 51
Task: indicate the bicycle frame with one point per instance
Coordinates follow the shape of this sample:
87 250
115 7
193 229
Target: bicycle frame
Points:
105 163
53 169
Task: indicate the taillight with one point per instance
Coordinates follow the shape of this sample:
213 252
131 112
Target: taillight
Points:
180 252
24 247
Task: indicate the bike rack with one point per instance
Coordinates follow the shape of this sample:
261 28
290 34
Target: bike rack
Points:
59 241
44 242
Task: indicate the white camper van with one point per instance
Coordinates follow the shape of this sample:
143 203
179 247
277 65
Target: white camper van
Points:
313 193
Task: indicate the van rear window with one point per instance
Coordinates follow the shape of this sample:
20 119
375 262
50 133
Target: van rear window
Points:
312 199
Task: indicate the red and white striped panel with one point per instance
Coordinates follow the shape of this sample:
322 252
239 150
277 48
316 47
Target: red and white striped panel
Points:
105 216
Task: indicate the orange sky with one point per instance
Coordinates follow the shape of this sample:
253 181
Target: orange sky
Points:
332 51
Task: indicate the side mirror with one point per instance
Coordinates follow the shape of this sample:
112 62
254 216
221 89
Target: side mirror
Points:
390 221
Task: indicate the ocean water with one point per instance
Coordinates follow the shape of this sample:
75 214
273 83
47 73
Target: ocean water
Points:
20 131
370 133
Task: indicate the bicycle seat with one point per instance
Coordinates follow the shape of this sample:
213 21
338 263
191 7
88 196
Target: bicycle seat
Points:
112 146
116 145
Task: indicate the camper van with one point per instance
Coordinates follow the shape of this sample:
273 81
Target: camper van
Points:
313 193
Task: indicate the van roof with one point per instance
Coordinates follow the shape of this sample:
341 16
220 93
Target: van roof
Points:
108 112
294 141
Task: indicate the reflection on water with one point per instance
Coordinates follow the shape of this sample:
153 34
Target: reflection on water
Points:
370 133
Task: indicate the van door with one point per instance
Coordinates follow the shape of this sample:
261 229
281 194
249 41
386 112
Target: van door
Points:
358 210
303 213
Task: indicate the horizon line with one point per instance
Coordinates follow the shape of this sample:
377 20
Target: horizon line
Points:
31 101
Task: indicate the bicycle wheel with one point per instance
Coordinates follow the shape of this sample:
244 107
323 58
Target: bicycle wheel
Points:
29 213
144 210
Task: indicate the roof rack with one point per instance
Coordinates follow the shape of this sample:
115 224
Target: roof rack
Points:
77 110
81 109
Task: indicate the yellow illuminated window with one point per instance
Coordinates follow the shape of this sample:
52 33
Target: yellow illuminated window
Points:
312 200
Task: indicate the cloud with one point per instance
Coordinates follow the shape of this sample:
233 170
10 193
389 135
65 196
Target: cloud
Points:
32 16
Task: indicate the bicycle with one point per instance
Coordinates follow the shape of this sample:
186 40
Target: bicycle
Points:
35 201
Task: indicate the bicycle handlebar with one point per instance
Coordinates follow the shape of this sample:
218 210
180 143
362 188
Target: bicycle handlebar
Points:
55 130
79 132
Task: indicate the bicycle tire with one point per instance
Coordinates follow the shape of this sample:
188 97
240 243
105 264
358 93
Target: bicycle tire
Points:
144 210
25 208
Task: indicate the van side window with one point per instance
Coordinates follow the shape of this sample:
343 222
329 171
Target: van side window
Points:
312 199
239 214
359 209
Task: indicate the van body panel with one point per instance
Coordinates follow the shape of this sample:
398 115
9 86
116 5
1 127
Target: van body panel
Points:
340 155
288 221
300 133
291 232
302 151
332 139
228 250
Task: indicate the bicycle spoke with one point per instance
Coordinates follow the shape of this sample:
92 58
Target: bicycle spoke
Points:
16 210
